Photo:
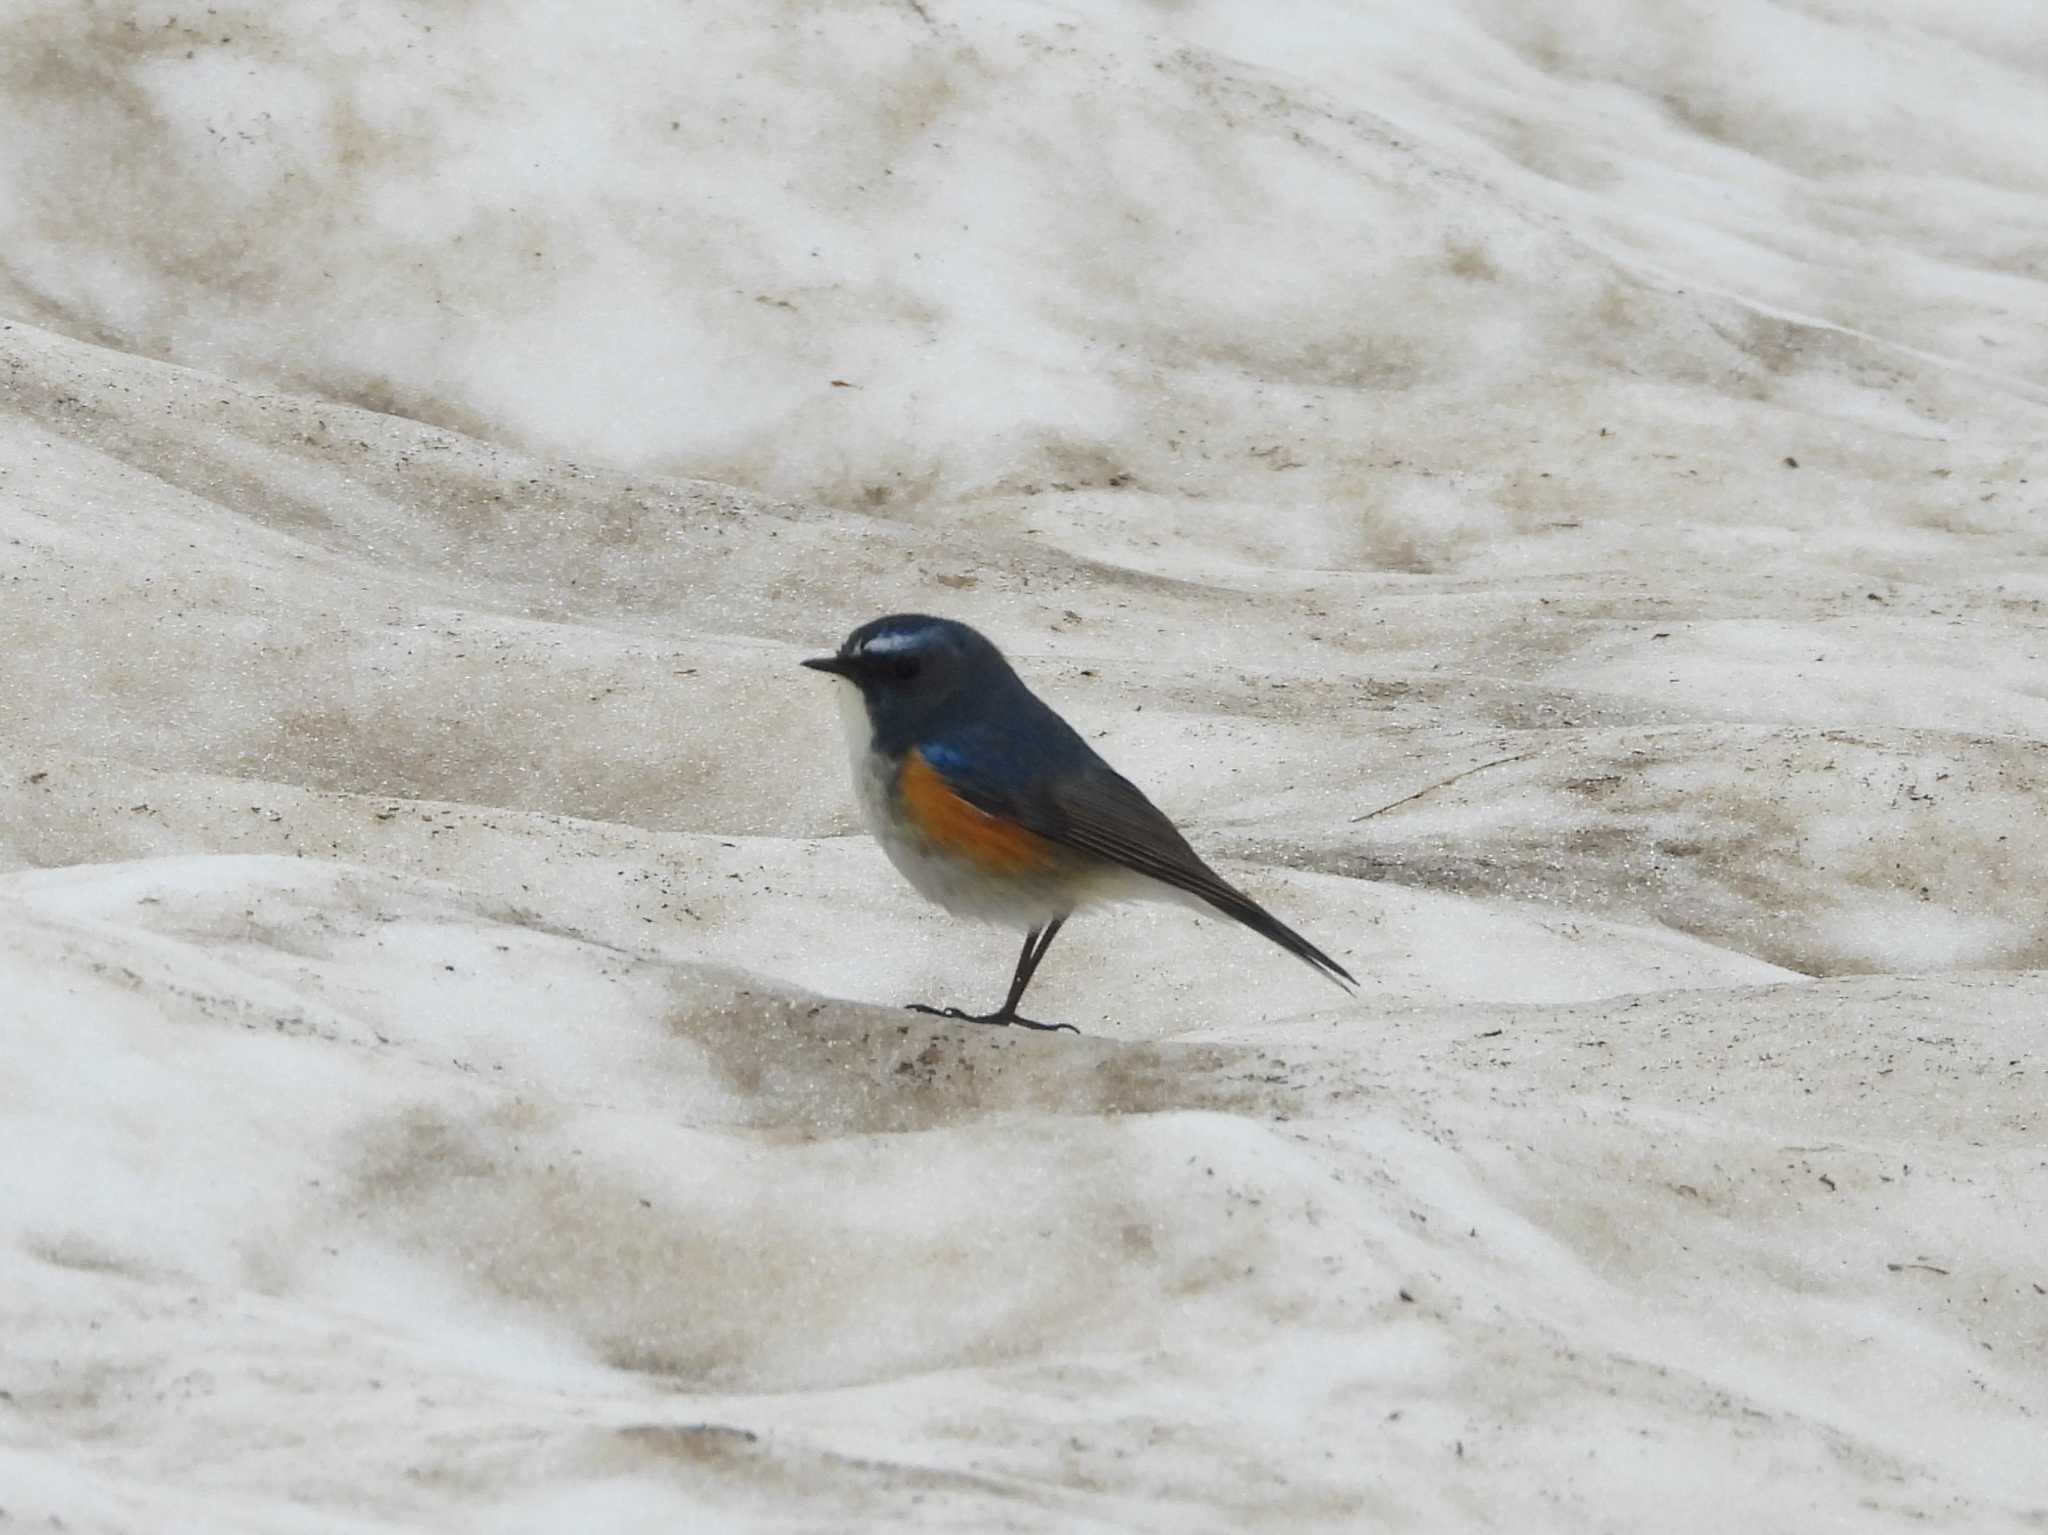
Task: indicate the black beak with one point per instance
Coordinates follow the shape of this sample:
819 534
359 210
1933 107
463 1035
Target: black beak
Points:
838 666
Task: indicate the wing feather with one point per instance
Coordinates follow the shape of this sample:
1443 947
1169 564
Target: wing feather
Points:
1099 811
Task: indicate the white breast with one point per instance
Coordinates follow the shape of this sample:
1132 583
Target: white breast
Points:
961 887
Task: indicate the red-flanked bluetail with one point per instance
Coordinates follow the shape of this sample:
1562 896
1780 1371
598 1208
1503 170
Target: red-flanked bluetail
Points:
995 808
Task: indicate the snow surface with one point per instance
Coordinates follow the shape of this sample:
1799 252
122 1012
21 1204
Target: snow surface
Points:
1554 498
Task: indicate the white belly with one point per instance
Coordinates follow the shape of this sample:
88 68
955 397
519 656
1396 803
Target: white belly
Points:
945 879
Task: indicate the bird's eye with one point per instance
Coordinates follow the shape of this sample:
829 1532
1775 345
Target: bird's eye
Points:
903 668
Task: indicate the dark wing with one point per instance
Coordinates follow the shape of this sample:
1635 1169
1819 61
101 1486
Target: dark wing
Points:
1100 811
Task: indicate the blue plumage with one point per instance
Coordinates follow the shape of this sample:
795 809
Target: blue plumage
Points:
938 688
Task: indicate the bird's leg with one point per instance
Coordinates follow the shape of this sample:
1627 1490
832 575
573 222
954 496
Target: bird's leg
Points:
1036 942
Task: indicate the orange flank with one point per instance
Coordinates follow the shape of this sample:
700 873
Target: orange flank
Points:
948 822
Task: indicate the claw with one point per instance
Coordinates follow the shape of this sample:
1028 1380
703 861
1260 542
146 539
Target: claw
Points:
1032 1023
999 1019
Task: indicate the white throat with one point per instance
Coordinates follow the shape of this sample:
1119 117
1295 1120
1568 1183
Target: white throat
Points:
870 773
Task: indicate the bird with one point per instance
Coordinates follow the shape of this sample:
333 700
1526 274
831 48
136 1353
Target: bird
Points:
995 808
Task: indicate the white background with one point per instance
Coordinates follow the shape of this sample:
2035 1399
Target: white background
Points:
450 1074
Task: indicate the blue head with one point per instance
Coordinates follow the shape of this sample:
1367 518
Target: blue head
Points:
915 672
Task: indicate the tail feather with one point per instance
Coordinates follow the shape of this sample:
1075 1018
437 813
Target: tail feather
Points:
1102 813
1239 907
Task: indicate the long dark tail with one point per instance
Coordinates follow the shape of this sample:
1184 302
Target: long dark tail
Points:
1101 812
1239 907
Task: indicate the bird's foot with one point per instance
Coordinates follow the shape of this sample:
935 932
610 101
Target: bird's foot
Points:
999 1018
1027 1023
